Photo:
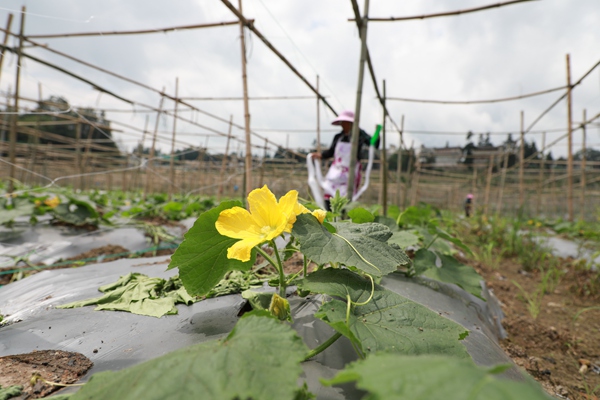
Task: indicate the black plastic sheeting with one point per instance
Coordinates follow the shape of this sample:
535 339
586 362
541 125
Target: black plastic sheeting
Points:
116 340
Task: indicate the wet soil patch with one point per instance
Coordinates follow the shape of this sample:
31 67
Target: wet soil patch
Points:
56 366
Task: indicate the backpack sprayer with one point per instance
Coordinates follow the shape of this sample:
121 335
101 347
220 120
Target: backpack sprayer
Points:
315 175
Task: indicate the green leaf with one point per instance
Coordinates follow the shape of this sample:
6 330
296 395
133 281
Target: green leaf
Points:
453 271
389 322
202 256
445 235
337 282
360 216
20 207
361 246
424 259
404 239
260 359
387 221
79 216
391 376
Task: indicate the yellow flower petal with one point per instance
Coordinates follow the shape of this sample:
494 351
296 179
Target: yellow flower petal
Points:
237 223
241 250
263 205
320 215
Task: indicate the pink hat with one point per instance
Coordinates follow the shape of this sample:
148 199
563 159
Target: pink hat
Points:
344 116
469 196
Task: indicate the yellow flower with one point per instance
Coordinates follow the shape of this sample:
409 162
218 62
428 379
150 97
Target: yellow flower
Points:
266 220
530 222
52 202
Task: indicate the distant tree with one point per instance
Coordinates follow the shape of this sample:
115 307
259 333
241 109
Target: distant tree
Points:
92 125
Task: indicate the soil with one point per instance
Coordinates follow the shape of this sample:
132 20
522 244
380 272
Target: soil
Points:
55 366
560 347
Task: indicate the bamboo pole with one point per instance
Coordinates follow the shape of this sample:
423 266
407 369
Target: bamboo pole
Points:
415 185
583 166
136 32
318 119
399 163
248 169
474 186
149 178
262 166
541 176
488 185
172 158
15 117
570 143
409 170
502 180
78 161
384 170
355 125
448 13
225 159
522 164
5 40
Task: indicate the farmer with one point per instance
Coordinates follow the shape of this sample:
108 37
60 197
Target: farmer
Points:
468 204
340 149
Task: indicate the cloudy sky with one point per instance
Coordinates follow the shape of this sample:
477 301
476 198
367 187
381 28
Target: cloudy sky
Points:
502 52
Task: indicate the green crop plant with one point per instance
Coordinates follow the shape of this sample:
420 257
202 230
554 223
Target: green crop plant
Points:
397 342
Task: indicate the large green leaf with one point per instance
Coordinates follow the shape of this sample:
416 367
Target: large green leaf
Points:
359 215
452 271
202 256
361 246
260 359
396 377
389 322
404 239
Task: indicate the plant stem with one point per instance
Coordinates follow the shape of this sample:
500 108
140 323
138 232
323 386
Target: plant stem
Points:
282 282
277 266
433 240
322 346
304 268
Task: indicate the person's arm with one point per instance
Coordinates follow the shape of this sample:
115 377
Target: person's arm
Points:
325 154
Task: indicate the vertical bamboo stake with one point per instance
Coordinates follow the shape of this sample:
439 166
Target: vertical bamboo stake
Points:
541 176
152 149
318 118
409 170
124 173
488 184
399 163
384 169
262 167
521 164
13 127
415 185
570 142
225 159
5 41
248 172
355 126
141 155
502 180
583 162
78 153
172 160
474 185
